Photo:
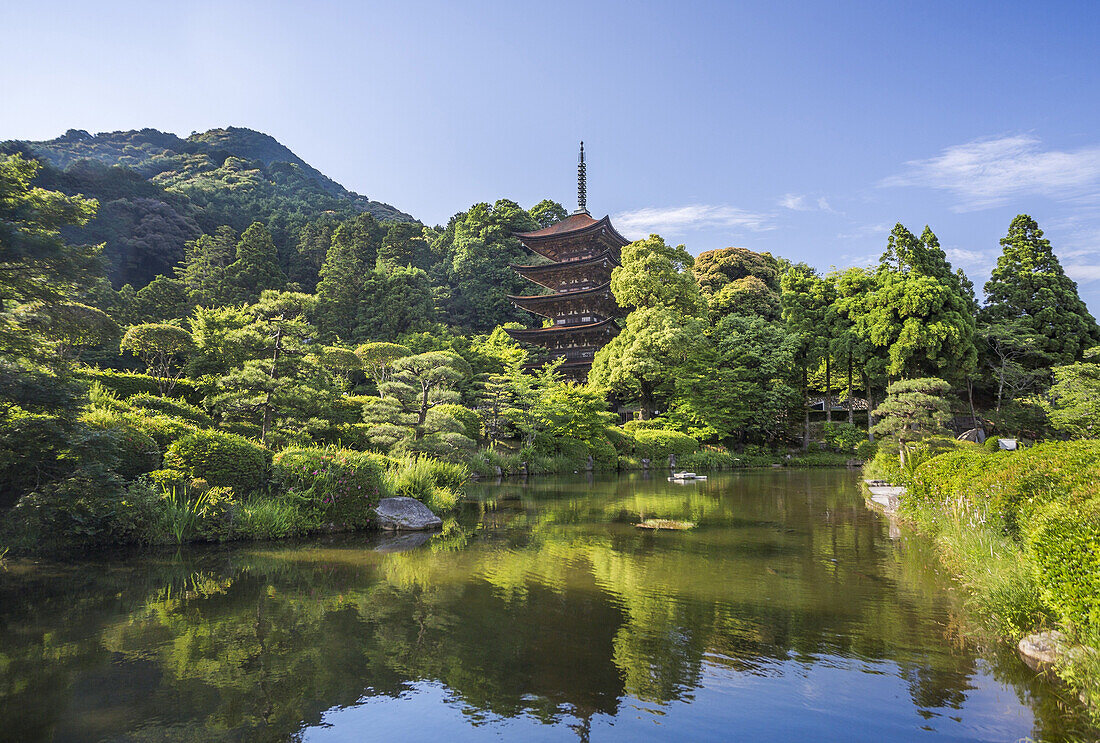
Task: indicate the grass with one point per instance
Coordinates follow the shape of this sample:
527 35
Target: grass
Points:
182 514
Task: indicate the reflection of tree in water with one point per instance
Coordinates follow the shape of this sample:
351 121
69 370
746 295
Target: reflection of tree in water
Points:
555 608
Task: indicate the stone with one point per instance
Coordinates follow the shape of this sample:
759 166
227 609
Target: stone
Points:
405 514
1040 650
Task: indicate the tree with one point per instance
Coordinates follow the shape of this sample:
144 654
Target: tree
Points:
35 263
163 298
738 281
67 327
403 416
206 261
1073 404
160 346
547 212
807 306
404 245
1028 286
349 260
1010 346
256 268
378 358
478 248
917 310
744 386
314 240
663 330
281 384
393 300
914 410
655 274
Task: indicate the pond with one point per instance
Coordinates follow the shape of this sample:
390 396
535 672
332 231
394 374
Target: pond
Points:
539 613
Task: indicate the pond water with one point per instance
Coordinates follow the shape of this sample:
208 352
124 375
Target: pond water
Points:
540 613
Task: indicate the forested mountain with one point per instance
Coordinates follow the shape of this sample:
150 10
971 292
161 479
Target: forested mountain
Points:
157 191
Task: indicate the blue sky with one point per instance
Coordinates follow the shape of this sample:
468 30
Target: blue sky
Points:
803 129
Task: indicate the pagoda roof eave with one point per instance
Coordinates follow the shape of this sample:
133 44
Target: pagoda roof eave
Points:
575 224
532 333
554 265
580 294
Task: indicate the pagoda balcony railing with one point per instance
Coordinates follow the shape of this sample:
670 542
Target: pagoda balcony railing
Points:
562 322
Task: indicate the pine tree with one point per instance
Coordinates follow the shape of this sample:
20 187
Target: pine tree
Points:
206 261
256 268
349 261
1030 286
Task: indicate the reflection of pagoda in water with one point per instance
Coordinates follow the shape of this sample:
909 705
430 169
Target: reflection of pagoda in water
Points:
580 305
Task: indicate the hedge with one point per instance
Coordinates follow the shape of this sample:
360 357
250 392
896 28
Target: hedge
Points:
470 420
171 406
136 450
1063 542
222 459
331 485
656 444
128 384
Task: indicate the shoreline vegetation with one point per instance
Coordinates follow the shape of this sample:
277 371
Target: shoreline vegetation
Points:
198 346
1019 531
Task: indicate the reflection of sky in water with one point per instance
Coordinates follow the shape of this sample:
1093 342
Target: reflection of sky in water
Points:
835 700
787 614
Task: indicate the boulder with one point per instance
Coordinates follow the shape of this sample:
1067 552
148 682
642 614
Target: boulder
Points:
405 514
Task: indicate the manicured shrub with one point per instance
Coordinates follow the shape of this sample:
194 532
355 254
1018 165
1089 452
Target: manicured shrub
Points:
135 451
222 459
126 384
1023 481
171 406
468 419
337 486
1063 541
711 458
621 439
165 429
657 444
866 450
948 476
651 424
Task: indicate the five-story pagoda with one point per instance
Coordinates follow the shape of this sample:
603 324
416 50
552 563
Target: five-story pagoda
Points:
580 306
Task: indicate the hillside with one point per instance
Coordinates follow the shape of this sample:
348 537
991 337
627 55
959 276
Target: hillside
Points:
157 191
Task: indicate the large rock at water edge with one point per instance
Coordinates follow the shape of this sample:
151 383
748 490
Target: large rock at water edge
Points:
405 514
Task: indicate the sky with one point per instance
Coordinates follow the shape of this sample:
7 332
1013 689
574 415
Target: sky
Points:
803 129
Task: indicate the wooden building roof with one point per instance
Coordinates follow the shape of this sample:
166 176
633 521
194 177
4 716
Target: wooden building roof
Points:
574 234
550 275
598 300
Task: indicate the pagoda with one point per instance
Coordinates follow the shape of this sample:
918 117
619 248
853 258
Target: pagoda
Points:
581 253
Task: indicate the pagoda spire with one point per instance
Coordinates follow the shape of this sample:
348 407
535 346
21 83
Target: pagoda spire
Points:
582 184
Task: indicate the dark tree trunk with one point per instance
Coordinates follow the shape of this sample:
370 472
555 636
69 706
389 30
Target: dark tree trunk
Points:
851 419
265 426
828 404
806 409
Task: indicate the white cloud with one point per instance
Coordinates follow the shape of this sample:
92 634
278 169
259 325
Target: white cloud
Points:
988 172
1082 272
960 256
677 219
802 203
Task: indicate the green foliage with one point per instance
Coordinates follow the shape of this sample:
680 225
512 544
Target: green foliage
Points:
171 406
843 437
126 384
656 445
739 281
914 410
135 450
330 486
67 328
222 459
468 419
1029 288
430 481
256 268
1062 542
1073 405
160 346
